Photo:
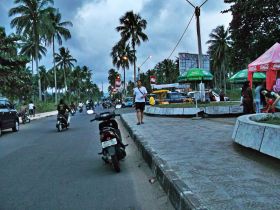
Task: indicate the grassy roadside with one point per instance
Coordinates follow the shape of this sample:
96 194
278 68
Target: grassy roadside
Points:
40 107
45 107
202 105
274 121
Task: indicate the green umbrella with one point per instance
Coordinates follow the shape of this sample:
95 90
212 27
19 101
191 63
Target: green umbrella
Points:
195 74
242 76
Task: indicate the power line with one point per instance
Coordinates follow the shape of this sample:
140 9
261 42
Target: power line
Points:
181 37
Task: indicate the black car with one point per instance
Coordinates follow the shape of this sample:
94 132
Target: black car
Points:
8 116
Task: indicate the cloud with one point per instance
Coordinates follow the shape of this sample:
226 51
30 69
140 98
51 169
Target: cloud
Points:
94 34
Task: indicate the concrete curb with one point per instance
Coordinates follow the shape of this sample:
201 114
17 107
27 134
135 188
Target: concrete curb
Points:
42 115
178 192
262 137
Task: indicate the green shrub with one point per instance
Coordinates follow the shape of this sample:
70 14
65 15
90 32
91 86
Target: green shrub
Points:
45 107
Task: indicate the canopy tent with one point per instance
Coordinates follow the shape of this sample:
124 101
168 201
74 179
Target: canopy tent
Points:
268 62
195 74
242 76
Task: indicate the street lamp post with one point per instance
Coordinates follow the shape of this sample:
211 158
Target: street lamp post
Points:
139 67
125 59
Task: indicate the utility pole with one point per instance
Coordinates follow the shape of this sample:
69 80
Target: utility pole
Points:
139 67
197 14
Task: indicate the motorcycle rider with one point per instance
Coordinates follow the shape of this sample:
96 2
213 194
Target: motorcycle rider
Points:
62 108
73 106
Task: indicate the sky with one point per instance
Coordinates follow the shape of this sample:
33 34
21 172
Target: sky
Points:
94 34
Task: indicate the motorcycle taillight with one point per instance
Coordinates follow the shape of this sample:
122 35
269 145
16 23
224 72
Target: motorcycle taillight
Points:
107 135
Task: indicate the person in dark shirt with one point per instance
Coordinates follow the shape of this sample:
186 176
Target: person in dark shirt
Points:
247 100
62 109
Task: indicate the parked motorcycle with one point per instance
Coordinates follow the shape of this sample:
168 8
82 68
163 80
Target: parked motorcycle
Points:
62 122
25 117
113 150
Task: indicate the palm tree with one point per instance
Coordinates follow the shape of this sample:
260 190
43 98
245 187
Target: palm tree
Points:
112 75
57 31
131 29
219 52
31 16
122 55
28 49
45 80
64 62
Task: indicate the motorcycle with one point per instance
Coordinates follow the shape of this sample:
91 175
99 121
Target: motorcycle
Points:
113 150
25 117
80 109
62 122
72 111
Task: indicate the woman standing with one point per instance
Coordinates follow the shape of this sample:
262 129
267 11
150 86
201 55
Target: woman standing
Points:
247 98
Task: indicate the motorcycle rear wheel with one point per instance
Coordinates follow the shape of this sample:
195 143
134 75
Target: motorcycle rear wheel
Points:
116 163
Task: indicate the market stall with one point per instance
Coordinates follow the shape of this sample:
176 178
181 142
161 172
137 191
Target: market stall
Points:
269 63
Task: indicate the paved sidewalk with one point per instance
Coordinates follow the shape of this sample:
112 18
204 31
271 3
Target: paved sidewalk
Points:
200 167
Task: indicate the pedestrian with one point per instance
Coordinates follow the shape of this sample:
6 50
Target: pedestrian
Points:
31 108
272 99
222 96
258 98
140 94
247 98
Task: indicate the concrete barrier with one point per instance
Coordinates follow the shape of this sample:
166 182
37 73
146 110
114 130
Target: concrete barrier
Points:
211 110
262 137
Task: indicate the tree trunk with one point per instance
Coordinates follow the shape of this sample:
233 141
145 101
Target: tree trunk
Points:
37 61
134 66
54 70
65 83
39 78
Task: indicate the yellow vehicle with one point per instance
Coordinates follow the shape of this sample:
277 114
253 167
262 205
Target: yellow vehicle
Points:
161 95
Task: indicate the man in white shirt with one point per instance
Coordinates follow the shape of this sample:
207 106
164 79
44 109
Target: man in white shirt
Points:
31 108
140 94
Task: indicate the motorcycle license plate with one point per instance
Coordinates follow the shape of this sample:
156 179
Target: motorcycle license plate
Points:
109 143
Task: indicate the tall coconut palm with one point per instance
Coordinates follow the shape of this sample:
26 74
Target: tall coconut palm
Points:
131 29
112 75
45 80
219 51
65 62
31 15
122 55
57 31
28 49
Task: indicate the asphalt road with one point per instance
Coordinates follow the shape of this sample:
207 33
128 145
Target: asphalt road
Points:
43 169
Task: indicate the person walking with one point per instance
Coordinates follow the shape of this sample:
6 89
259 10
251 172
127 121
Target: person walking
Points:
140 93
247 98
31 108
258 98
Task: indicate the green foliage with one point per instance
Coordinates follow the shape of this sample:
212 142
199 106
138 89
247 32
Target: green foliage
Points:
254 28
131 29
219 51
167 72
45 107
234 94
14 77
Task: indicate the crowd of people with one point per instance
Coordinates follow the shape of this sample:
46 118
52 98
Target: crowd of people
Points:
265 101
